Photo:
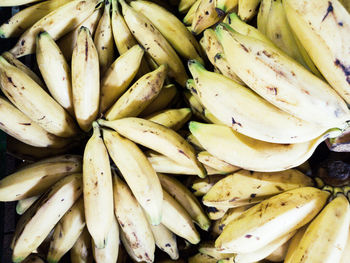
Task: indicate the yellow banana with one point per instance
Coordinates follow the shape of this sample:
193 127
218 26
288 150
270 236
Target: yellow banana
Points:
263 15
247 8
279 254
16 2
85 79
346 4
201 186
346 252
139 95
208 248
209 160
193 141
40 219
226 6
172 118
204 16
24 93
231 215
81 251
202 258
24 204
216 213
294 242
158 138
188 19
137 172
36 178
55 70
67 232
185 5
98 189
254 229
57 23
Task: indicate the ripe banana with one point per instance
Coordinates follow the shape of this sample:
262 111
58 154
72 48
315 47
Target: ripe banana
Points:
231 215
185 5
119 76
50 208
128 248
326 236
24 204
137 172
216 213
204 16
326 23
245 187
295 89
98 188
263 15
154 42
158 138
201 186
81 251
104 39
202 258
85 79
171 118
55 70
16 2
171 28
247 8
57 23
24 92
36 178
279 254
188 19
271 219
177 220
139 95
208 248
346 252
226 6
209 160
133 222
67 232
252 155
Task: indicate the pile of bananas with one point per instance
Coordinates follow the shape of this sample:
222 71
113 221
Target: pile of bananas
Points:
103 126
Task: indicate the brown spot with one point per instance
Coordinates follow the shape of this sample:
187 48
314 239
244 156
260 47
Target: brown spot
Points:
248 236
26 124
68 168
86 49
245 48
253 195
279 188
234 122
267 54
329 10
273 90
211 209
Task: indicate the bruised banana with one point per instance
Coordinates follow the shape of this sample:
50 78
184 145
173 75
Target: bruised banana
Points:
36 178
205 16
158 138
137 172
24 93
221 142
209 160
98 188
24 204
81 251
171 118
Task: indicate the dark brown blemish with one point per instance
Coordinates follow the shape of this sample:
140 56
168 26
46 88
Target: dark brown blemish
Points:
212 209
273 90
245 48
167 245
234 122
86 49
279 188
253 195
194 90
329 10
344 68
248 236
266 53
217 56
340 23
26 123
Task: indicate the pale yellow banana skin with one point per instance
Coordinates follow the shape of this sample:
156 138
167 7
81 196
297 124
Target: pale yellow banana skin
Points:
209 160
244 187
326 23
226 5
158 138
201 186
282 214
50 208
216 213
104 40
188 19
36 178
24 204
137 172
202 258
204 16
128 248
81 251
247 8
19 126
16 2
263 15
85 79
68 41
232 214
139 95
55 70
294 90
208 248
171 118
98 188
326 236
27 17
57 23
181 194
119 76
185 5
279 254
346 252
67 232
24 93
133 222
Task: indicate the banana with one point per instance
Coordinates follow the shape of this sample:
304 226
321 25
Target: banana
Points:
81 251
245 187
50 208
154 42
171 118
177 220
19 126
226 6
346 4
104 39
33 258
208 248
247 8
188 19
24 92
67 232
55 70
204 16
202 258
171 28
185 5
326 23
193 141
279 254
295 89
263 15
165 240
133 222
139 95
128 248
253 155
232 214
24 204
137 172
119 76
16 2
188 201
271 219
326 236
36 178
98 188
85 79
109 254
68 41
201 186
57 23
27 17
216 213
158 138
346 252
209 160
294 242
